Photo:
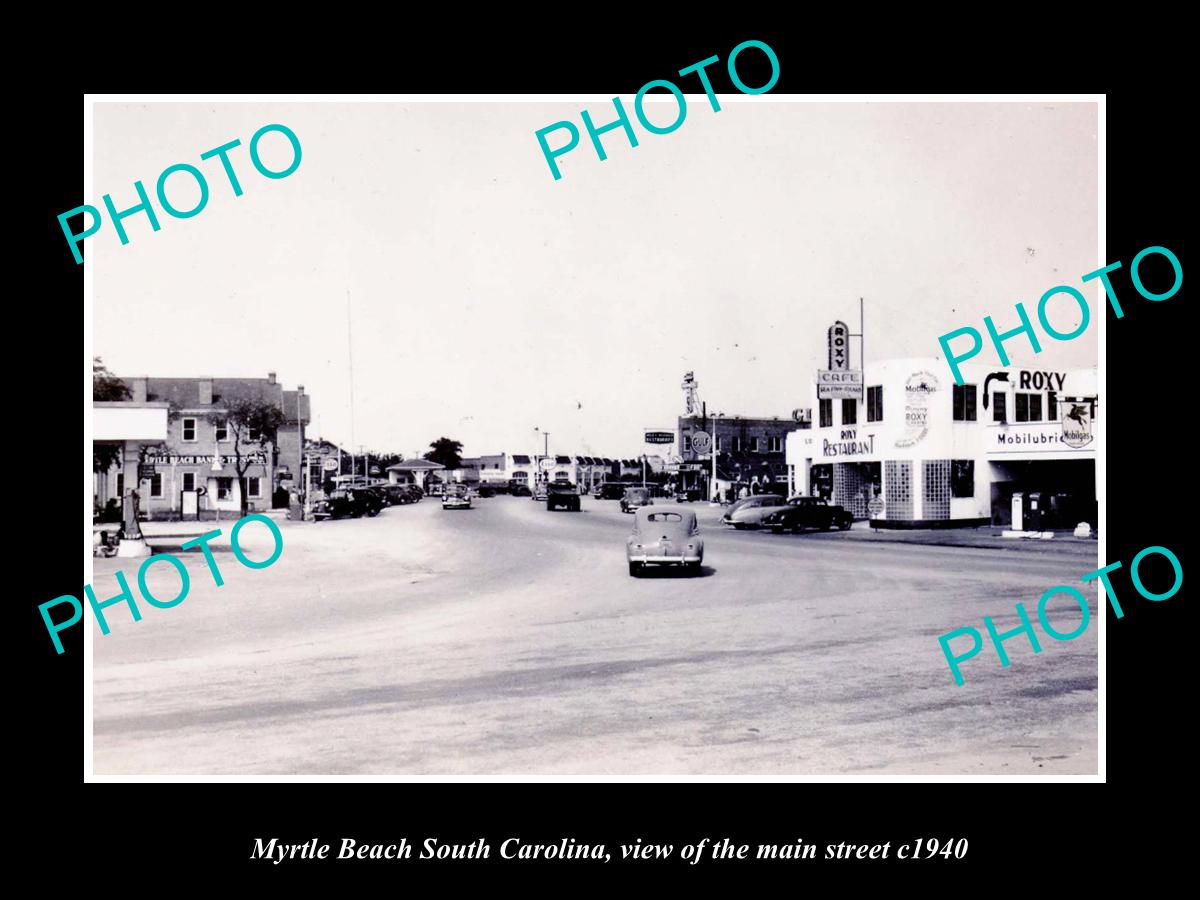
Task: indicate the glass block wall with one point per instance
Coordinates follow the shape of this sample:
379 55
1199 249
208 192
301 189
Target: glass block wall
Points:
898 490
936 489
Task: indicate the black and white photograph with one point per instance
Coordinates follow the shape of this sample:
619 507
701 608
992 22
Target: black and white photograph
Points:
525 437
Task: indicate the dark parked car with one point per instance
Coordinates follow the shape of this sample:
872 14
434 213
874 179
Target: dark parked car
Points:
403 493
807 512
521 490
562 494
687 495
345 502
609 490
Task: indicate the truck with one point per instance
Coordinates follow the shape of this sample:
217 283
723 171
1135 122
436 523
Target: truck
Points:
562 493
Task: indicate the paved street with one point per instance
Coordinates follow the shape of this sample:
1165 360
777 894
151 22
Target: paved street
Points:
508 639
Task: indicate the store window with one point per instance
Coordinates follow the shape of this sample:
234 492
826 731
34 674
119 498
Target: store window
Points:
224 488
156 485
189 481
826 410
188 429
849 412
962 478
1051 407
875 403
964 402
999 407
254 487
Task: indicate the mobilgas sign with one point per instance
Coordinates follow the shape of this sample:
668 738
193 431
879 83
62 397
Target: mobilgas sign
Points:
660 437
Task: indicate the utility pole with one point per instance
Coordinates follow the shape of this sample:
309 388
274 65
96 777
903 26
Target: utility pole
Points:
350 360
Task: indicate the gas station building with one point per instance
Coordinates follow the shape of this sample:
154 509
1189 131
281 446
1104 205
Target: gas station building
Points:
919 451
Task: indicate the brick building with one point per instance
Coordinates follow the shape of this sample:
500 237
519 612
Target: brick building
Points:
197 458
748 450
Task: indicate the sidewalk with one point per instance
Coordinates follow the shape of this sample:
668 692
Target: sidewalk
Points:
985 537
155 531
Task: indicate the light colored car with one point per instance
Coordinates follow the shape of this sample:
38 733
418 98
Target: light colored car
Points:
635 498
750 512
664 536
456 496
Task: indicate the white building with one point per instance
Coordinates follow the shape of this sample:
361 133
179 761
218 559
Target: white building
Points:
920 451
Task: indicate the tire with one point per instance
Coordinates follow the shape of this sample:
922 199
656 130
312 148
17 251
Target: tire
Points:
845 524
777 530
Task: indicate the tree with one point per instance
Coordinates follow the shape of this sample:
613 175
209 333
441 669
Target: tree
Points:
447 452
106 387
252 422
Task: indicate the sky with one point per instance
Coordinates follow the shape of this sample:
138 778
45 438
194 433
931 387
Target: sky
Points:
480 299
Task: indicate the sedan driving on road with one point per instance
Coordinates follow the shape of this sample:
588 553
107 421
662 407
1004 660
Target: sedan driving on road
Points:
664 536
635 498
807 512
562 494
750 512
456 496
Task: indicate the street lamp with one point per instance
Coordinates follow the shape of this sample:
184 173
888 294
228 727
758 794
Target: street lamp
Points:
713 486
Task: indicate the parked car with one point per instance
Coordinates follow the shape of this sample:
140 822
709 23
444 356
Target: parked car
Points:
664 536
456 496
807 512
750 512
344 502
521 490
635 498
562 494
609 490
688 495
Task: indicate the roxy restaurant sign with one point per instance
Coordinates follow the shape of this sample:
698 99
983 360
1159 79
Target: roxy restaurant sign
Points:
171 459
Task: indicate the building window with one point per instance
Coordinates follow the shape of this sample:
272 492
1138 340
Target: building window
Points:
875 403
254 486
687 443
188 429
221 432
1051 407
224 488
156 484
999 407
962 478
736 444
1035 407
253 435
964 402
775 444
753 445
826 409
1029 407
717 443
189 481
849 412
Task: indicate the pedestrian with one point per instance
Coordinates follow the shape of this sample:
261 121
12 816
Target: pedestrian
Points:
743 493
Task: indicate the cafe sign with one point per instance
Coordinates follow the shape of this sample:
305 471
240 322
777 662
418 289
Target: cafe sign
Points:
833 384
